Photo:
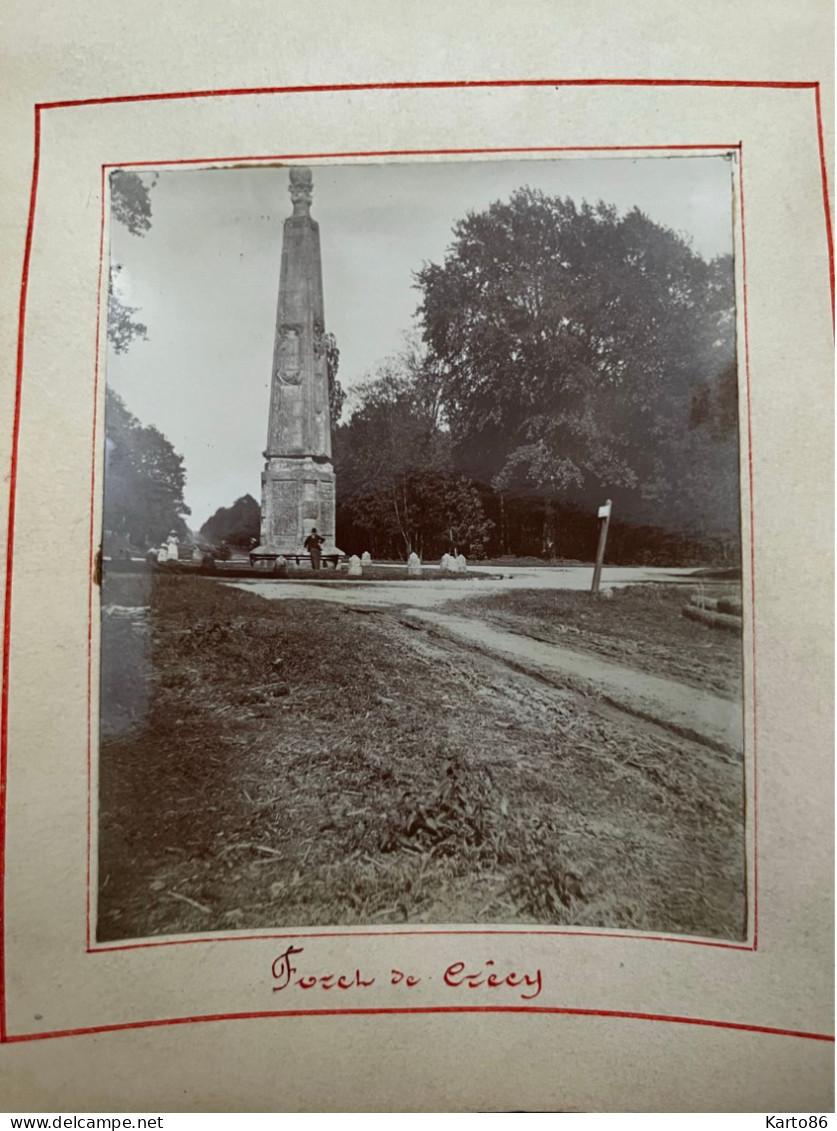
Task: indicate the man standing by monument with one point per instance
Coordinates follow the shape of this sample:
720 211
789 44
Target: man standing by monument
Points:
298 479
314 546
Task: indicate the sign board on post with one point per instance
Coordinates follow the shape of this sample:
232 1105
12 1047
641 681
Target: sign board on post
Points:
604 523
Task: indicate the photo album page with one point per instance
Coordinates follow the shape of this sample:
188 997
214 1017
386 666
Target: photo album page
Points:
417 683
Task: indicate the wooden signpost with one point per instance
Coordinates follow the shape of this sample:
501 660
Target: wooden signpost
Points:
604 523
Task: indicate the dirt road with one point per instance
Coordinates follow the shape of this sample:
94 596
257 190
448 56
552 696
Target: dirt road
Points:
686 710
421 594
696 714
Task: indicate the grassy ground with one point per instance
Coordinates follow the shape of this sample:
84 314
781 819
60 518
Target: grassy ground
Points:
510 560
642 625
285 763
303 572
387 573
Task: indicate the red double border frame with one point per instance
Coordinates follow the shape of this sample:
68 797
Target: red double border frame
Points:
40 109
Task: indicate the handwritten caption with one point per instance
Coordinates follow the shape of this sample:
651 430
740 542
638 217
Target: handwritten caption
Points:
287 973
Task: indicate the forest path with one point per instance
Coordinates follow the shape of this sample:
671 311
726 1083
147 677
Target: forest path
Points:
428 594
695 714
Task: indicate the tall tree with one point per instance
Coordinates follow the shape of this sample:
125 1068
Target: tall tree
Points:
144 479
571 341
130 203
238 525
122 329
336 394
398 486
130 199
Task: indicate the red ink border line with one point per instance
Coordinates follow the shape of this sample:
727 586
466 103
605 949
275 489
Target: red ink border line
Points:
145 944
92 557
453 85
751 482
477 84
7 606
825 198
422 1009
549 1010
266 157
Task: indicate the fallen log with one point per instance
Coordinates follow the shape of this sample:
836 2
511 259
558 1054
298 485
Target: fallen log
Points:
716 620
704 602
731 605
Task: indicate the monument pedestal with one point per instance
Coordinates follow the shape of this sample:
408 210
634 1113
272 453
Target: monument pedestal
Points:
297 494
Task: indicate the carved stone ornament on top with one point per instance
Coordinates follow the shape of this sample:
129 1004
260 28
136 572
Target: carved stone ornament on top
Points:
288 356
301 189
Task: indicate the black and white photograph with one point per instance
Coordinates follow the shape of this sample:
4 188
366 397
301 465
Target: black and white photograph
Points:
421 553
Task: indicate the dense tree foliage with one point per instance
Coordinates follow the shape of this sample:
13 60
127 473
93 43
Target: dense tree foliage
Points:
130 200
568 354
580 354
336 394
399 491
122 329
237 525
144 480
144 475
130 204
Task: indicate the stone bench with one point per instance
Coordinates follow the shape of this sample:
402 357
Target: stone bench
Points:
334 559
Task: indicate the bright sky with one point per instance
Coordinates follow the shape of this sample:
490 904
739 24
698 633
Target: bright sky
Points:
205 279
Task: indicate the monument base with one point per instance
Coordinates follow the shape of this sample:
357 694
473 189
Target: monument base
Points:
261 557
297 496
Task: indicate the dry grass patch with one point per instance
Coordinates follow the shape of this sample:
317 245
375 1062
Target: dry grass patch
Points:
294 763
641 625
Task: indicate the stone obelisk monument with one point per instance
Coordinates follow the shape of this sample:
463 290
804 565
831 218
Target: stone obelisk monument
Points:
298 478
